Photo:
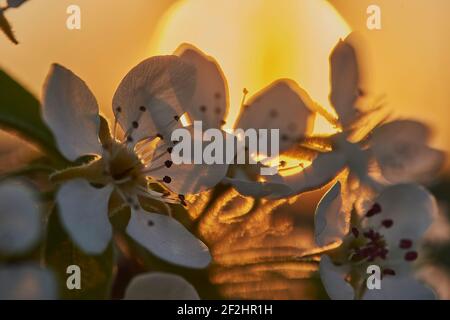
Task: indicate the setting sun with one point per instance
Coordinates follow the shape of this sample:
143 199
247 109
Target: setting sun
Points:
258 41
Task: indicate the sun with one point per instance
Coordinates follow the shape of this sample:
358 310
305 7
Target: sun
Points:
259 41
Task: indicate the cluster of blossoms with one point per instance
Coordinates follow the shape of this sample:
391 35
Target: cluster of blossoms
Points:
375 214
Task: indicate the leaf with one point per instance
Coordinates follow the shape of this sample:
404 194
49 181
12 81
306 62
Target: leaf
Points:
20 112
6 28
96 270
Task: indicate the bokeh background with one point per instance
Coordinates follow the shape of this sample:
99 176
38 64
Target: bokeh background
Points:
406 63
255 41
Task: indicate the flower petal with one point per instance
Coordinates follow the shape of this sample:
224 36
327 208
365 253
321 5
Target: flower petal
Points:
411 209
168 239
333 279
20 220
164 86
27 282
210 101
84 214
160 286
401 150
330 223
344 77
282 105
190 178
324 168
400 288
71 112
274 187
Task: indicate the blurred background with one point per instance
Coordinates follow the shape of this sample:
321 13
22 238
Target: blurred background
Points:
255 42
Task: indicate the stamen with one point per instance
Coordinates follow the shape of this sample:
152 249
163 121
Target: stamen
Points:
245 92
388 272
182 200
167 179
387 223
411 255
168 163
405 244
150 223
355 232
376 208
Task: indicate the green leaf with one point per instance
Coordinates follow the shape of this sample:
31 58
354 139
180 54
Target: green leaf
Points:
20 112
96 270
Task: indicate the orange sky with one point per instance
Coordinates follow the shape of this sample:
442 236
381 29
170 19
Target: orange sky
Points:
409 56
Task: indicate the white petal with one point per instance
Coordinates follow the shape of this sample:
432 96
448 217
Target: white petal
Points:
168 239
190 178
275 187
344 77
330 223
210 101
71 112
20 219
84 213
164 85
27 282
160 286
357 158
333 279
400 288
324 168
438 278
282 105
410 207
401 150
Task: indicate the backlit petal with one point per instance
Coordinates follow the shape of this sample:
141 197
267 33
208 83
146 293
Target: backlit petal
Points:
160 286
71 112
168 239
20 219
84 214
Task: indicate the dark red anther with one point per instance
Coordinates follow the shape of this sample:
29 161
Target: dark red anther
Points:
376 208
388 272
405 244
411 256
168 163
387 223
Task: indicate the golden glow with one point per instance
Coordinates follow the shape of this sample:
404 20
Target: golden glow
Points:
289 165
259 41
185 120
